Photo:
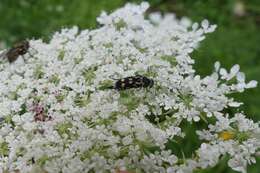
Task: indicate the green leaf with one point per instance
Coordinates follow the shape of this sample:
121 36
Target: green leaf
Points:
55 79
61 55
64 128
4 150
129 99
38 72
106 84
89 74
41 161
82 100
170 59
120 24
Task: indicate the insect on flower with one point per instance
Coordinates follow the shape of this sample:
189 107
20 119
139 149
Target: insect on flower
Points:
18 49
137 81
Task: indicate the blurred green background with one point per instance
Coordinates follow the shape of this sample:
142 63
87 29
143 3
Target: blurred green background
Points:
236 40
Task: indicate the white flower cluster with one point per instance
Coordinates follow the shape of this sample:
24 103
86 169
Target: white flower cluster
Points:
58 113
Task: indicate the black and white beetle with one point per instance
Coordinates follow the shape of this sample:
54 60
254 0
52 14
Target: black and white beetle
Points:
137 81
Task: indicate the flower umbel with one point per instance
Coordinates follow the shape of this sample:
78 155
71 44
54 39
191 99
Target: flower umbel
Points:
59 113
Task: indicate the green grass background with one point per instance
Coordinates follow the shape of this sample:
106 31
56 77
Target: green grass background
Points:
236 40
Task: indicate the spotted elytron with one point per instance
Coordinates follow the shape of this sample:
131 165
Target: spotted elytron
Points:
137 81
